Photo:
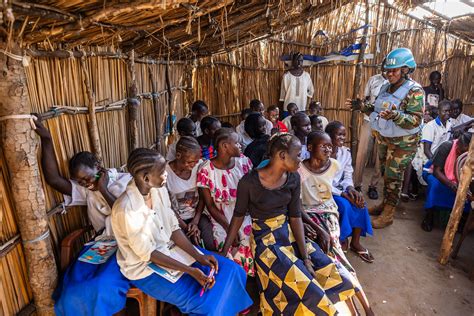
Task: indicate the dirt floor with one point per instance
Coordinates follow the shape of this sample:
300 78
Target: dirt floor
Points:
406 278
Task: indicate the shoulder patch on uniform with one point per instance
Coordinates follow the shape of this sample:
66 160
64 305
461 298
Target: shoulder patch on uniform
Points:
417 93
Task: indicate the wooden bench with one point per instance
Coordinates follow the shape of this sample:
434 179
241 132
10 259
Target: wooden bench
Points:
69 249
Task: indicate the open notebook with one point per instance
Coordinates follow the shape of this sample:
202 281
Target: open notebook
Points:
100 251
177 254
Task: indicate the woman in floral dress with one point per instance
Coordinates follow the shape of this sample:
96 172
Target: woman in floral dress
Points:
217 180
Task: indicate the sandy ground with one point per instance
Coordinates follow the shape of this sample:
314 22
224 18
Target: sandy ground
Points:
406 278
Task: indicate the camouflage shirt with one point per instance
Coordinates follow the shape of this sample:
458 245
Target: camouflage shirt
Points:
410 113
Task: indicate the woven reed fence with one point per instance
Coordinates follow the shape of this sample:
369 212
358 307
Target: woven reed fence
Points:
59 83
230 80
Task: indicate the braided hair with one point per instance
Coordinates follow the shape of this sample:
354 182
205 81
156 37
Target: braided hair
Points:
187 144
279 142
142 160
83 158
221 135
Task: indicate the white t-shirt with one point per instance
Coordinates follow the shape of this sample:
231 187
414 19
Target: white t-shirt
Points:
171 154
296 89
316 189
98 210
343 177
372 89
435 133
140 230
461 119
183 193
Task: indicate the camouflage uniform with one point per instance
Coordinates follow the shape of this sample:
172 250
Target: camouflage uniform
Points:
395 153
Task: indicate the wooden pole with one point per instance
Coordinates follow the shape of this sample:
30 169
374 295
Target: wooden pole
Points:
156 108
93 129
461 194
170 98
19 145
357 84
132 103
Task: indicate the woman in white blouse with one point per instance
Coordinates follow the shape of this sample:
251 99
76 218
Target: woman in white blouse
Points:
354 217
150 240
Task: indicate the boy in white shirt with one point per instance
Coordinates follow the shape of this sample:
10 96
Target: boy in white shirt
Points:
292 108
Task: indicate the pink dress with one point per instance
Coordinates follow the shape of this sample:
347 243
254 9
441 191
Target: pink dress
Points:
223 187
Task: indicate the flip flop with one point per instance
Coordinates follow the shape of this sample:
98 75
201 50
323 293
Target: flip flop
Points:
364 255
404 197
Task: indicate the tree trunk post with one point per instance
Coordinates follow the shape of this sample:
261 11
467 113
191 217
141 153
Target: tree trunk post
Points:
93 129
461 194
132 103
19 144
170 96
357 80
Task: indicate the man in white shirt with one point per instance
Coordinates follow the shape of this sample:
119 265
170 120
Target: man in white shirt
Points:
367 140
436 131
296 85
459 121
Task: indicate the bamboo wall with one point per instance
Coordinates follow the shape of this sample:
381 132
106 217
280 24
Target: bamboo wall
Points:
230 80
59 82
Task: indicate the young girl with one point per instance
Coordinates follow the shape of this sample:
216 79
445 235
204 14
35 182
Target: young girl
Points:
218 179
320 210
185 127
255 128
86 288
294 277
301 128
148 235
183 191
354 216
316 123
209 125
273 115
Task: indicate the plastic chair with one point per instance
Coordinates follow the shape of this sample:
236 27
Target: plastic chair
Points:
147 304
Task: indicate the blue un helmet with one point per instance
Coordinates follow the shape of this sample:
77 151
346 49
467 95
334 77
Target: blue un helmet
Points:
400 57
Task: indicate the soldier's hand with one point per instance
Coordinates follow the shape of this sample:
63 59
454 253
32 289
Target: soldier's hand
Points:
388 114
353 104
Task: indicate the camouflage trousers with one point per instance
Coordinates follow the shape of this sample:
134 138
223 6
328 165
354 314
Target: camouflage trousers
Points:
395 153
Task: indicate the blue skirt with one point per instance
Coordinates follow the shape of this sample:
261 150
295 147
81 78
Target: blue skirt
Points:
351 217
439 195
91 289
227 297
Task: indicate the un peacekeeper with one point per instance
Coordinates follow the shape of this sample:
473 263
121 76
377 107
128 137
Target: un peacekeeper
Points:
395 117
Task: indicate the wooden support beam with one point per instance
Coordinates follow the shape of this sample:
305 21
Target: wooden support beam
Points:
156 108
461 194
19 144
132 103
170 98
93 129
357 84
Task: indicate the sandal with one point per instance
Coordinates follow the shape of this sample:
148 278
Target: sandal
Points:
364 255
404 197
413 196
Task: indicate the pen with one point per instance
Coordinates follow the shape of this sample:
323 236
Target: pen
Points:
206 285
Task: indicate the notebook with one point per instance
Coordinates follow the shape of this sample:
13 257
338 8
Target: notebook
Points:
177 254
100 251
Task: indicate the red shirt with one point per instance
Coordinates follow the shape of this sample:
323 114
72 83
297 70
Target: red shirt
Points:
281 127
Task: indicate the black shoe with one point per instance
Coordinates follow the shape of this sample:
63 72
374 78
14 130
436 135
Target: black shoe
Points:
428 221
372 193
358 188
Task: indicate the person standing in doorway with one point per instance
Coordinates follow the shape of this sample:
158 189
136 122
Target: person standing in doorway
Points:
434 93
396 117
296 85
367 140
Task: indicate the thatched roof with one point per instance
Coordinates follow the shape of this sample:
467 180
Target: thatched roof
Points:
184 27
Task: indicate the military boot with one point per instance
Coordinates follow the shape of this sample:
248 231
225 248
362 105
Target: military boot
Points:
376 209
385 219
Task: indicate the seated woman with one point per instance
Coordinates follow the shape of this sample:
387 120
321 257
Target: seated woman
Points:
442 184
319 208
255 127
209 125
148 236
86 288
184 195
217 180
354 216
294 277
